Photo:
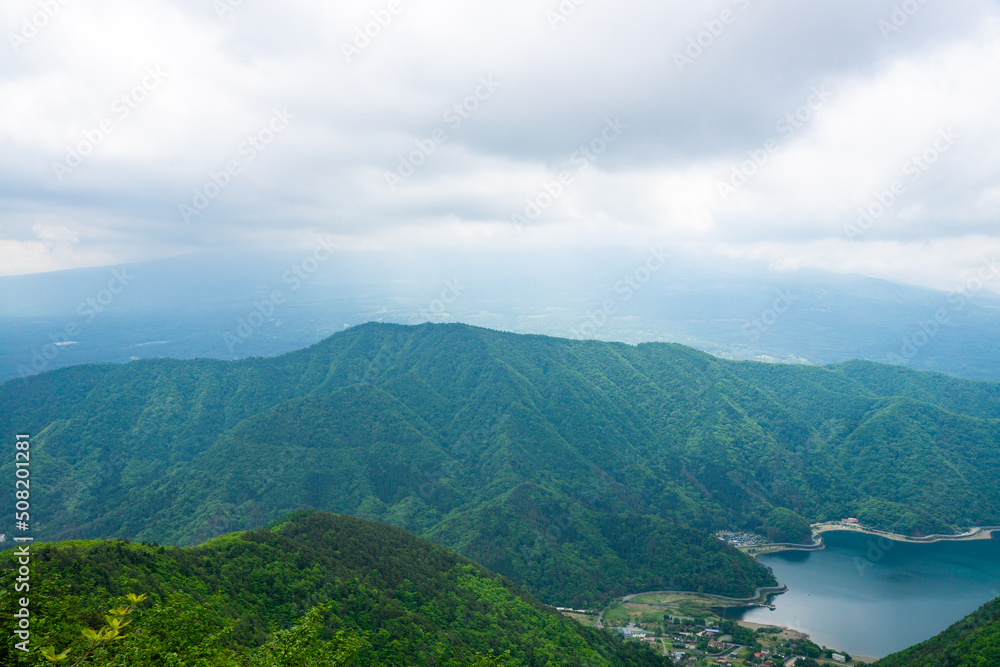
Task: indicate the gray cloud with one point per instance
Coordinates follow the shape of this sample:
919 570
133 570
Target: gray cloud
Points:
362 102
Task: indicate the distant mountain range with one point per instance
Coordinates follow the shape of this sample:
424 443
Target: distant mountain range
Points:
242 305
579 469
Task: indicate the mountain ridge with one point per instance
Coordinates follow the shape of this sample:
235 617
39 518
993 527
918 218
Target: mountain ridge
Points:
584 458
407 600
193 306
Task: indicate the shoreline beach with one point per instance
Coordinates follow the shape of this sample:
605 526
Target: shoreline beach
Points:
792 633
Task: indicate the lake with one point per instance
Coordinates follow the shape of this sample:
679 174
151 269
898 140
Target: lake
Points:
871 596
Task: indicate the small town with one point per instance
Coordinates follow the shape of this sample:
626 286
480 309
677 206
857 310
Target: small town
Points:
741 539
699 642
688 629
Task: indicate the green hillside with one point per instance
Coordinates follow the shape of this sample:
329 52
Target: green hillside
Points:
972 642
409 601
579 469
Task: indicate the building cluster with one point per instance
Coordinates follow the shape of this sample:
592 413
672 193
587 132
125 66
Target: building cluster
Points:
632 631
695 644
685 642
740 539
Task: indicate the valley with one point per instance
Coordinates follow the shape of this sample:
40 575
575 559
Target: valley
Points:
581 471
521 334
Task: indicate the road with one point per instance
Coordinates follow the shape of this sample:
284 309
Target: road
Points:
756 595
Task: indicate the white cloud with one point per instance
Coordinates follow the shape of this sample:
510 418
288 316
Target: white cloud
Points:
687 130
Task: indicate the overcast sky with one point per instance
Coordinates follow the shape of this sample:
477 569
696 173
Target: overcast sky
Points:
740 128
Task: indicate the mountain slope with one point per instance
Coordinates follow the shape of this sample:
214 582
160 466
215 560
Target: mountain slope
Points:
539 457
415 603
972 642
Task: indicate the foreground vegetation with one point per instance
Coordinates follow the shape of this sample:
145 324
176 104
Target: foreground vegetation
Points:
316 589
582 470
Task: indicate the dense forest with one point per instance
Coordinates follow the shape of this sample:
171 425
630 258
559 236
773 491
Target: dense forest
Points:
579 469
353 591
972 642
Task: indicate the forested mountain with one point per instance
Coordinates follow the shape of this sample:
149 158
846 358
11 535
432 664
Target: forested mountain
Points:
972 642
579 469
403 599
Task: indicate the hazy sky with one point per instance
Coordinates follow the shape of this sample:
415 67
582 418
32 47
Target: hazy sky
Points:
740 128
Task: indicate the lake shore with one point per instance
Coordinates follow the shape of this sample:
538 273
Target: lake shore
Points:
975 533
801 608
793 634
671 603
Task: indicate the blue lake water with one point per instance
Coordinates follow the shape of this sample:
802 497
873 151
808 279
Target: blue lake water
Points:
872 596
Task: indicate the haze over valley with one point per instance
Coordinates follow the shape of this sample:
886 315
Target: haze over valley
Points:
507 335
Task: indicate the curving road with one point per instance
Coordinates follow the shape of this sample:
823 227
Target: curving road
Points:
757 593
